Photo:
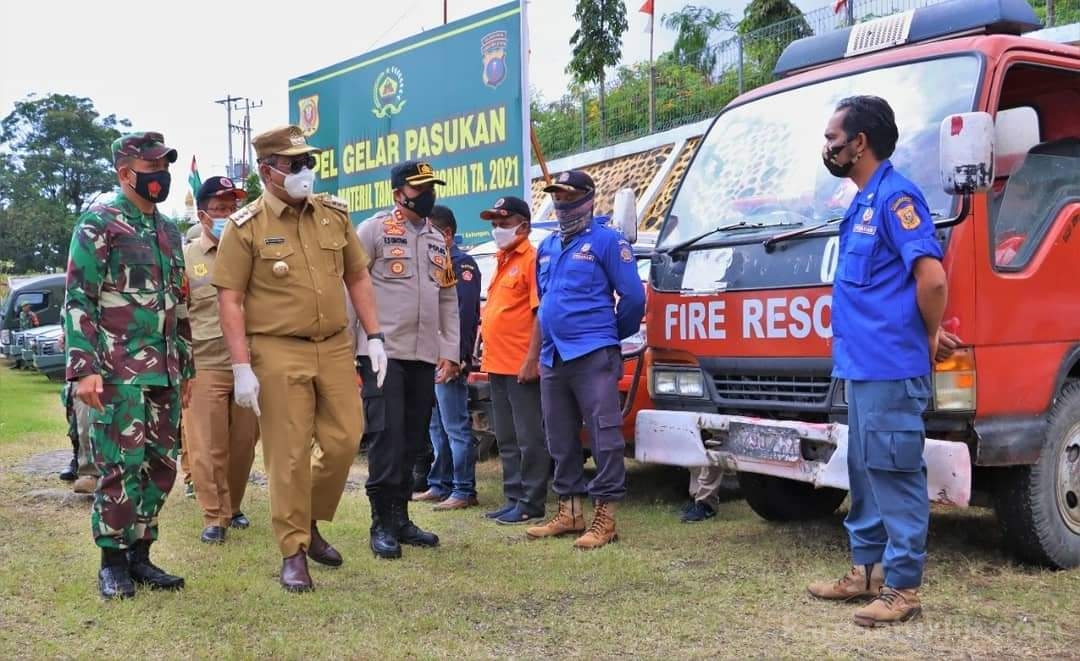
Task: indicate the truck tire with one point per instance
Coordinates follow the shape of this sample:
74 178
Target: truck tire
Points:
778 499
1039 505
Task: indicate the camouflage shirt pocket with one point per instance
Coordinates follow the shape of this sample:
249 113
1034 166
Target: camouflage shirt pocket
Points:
135 265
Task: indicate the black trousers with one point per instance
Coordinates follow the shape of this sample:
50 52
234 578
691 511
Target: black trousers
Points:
397 416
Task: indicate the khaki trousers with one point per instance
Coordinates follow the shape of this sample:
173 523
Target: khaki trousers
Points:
311 427
220 444
705 485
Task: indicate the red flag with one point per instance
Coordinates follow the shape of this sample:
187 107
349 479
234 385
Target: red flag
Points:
647 8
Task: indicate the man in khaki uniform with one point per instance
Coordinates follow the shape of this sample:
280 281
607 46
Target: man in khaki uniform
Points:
221 435
417 303
279 272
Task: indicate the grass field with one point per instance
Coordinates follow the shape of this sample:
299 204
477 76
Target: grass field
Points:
731 587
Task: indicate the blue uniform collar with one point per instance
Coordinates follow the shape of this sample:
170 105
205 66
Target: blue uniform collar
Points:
866 195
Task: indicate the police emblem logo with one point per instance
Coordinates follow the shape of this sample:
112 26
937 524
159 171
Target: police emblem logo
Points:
904 209
626 255
425 169
493 52
867 215
466 275
309 115
499 202
397 252
397 268
564 177
388 93
200 270
439 260
226 182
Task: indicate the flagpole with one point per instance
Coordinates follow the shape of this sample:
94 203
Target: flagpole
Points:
652 77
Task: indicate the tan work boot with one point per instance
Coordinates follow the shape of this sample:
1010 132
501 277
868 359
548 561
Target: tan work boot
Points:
570 519
890 607
602 530
84 484
853 585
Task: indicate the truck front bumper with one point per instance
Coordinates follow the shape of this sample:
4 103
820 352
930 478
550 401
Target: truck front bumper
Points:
800 451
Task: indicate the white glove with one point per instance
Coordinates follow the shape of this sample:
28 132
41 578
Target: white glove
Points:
377 354
246 387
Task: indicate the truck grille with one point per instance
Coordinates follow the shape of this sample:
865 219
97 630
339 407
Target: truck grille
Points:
802 390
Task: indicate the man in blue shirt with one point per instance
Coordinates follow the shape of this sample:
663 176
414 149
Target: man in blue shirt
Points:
888 299
579 270
452 477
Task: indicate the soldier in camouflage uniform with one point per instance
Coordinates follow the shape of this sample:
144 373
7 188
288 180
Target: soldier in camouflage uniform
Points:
27 318
129 350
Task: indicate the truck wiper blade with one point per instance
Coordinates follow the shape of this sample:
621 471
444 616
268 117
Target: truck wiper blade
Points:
741 225
771 242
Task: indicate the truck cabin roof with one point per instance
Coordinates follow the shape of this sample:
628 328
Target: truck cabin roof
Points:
931 23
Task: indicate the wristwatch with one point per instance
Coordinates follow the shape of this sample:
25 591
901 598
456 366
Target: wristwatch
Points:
376 336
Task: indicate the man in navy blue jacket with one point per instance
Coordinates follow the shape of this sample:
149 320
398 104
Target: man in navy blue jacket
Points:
452 478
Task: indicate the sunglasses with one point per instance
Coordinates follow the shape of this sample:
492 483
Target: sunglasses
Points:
297 164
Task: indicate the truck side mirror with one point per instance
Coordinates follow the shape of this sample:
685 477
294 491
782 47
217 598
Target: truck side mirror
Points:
624 214
967 153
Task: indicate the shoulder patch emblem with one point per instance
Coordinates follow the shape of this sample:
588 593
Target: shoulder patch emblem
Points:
466 275
904 210
243 215
334 202
626 255
200 270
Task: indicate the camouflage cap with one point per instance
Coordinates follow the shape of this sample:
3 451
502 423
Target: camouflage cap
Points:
145 146
283 141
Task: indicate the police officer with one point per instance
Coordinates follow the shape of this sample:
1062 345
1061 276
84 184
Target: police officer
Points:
888 299
418 309
579 269
220 435
129 352
279 272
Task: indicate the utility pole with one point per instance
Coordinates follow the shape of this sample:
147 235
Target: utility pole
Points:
227 102
245 131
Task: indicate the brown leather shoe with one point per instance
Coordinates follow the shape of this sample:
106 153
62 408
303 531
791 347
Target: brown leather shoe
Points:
320 550
429 496
85 484
856 584
890 607
452 503
294 574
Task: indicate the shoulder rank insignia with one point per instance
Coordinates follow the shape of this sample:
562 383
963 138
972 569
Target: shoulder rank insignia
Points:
333 202
244 215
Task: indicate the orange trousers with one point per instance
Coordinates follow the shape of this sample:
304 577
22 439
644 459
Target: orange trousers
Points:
220 445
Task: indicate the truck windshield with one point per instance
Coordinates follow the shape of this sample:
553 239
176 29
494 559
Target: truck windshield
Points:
761 162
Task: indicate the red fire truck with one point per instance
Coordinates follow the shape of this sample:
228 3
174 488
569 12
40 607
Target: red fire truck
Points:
739 322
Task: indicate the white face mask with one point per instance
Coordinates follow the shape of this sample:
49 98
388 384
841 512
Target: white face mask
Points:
504 236
299 185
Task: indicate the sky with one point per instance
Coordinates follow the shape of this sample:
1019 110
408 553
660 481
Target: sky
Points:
163 64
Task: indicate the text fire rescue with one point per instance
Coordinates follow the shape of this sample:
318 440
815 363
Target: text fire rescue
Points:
769 318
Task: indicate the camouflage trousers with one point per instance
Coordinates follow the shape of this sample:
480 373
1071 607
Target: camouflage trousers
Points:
135 441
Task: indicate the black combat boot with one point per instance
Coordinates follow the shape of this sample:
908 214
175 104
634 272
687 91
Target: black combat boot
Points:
114 579
408 532
384 542
71 472
145 572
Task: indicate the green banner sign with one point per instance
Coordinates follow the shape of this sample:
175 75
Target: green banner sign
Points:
454 96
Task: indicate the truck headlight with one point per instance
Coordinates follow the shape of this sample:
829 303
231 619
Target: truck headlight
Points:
954 382
677 382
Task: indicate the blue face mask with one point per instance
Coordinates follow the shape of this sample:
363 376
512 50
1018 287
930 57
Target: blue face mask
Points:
219 227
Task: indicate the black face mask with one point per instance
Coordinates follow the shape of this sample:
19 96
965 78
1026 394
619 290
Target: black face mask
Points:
152 186
422 204
834 168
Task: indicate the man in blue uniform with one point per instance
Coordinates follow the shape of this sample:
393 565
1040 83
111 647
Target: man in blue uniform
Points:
579 269
452 477
888 299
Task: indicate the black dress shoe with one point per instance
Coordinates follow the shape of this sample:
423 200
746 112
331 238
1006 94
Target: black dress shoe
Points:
115 583
320 550
239 521
213 535
294 574
71 472
147 573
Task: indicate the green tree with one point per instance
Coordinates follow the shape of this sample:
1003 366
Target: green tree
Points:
253 187
767 27
597 44
693 26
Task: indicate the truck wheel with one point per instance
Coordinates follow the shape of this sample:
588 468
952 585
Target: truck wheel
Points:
778 499
1039 505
